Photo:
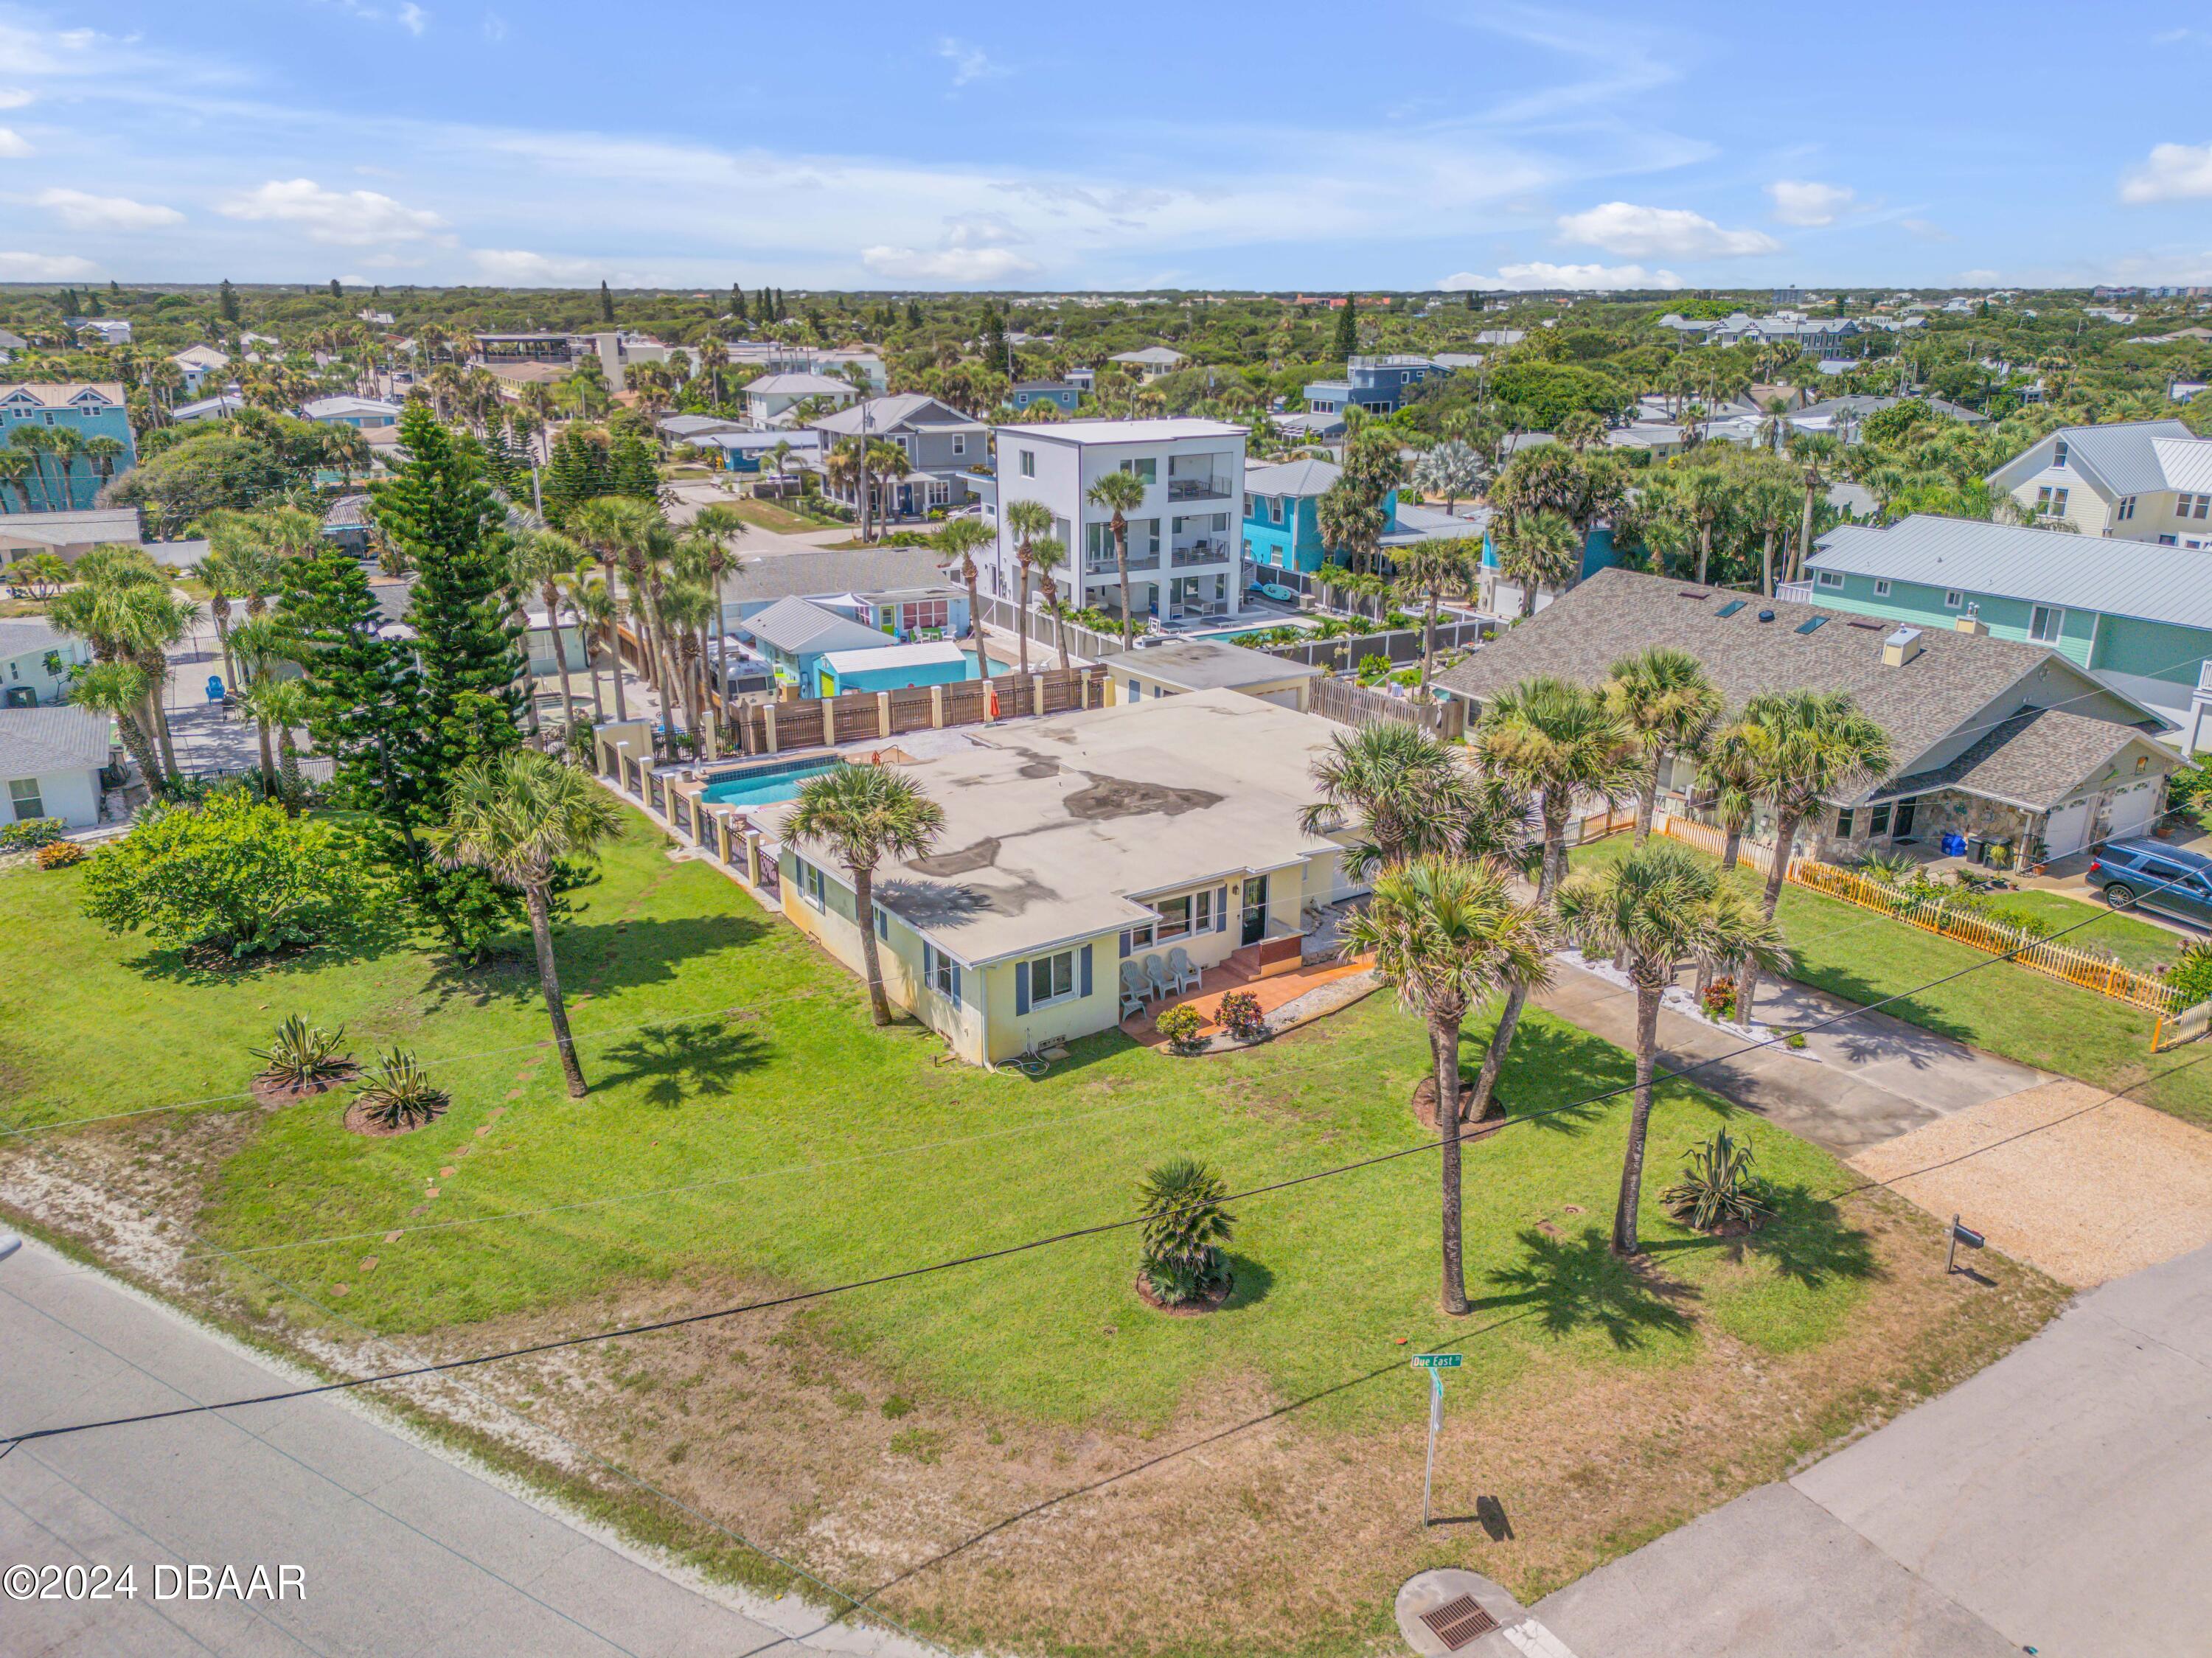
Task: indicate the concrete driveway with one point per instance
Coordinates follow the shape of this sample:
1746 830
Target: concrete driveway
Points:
1865 1078
2059 1501
398 1549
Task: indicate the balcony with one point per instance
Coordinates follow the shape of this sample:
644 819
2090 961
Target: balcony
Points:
1095 568
1198 488
1793 593
1204 552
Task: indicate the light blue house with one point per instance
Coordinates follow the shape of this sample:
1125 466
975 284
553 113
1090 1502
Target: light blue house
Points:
35 662
1282 518
795 635
1060 394
66 483
1378 385
897 667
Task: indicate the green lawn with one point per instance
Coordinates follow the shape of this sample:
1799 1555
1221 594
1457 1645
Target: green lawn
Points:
2007 1009
2138 944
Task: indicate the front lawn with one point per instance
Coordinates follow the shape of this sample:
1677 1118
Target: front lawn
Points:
749 1131
2144 945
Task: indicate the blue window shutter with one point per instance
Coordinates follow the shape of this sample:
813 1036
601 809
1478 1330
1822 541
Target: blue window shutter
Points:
1086 969
1125 941
929 962
1021 986
1221 909
956 984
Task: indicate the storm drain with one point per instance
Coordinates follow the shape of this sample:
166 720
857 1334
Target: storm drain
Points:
1456 1623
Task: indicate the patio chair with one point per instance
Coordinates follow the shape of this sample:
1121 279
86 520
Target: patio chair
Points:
1133 989
1155 976
1186 976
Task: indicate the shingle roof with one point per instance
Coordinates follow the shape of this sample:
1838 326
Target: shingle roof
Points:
2033 760
886 414
36 741
1618 613
803 629
2044 566
1164 356
22 636
860 570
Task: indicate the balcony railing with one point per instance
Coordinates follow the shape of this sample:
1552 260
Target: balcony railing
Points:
1204 552
1204 489
1099 566
1793 593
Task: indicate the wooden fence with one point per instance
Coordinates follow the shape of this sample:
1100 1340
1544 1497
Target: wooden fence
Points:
1706 838
860 716
1355 705
2186 1026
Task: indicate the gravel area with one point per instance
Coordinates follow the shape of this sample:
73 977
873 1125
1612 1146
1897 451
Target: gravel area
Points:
2064 1176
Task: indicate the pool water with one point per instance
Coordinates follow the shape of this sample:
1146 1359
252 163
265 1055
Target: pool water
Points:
1252 633
765 786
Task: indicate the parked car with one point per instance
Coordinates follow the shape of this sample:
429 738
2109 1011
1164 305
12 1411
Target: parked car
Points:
2155 875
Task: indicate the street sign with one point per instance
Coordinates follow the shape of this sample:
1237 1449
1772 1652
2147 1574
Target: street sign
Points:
1439 1360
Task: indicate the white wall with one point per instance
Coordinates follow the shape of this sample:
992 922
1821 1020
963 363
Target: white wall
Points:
71 796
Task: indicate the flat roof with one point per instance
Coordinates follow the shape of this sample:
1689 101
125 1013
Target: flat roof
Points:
1209 664
1125 431
921 655
1053 826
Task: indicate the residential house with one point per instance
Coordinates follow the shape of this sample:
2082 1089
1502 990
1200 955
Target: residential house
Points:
1842 416
1151 363
2007 741
1282 517
1183 553
373 319
10 343
2141 480
794 634
35 660
1822 336
1084 379
222 406
364 414
495 350
91 411
197 362
899 591
689 429
773 397
1378 385
941 446
108 331
70 535
1075 844
1184 665
747 451
883 667
1063 395
51 760
2136 615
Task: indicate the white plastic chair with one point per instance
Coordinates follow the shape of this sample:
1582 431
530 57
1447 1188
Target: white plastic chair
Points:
1179 970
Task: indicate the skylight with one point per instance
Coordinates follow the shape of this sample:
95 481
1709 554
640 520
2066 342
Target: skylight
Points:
1730 608
1811 624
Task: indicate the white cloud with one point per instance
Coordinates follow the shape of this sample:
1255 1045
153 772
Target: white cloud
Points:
414 19
1927 230
16 97
970 62
350 218
1672 232
949 264
13 142
2174 173
524 269
80 211
1801 201
44 267
1539 275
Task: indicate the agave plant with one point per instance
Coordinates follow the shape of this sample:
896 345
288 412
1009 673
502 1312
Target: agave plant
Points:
401 1095
1184 1226
300 1055
1718 1187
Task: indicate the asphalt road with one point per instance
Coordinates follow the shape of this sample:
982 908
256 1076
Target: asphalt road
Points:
2058 1501
397 1550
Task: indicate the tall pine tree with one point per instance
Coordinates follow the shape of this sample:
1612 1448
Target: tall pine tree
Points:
363 706
227 301
607 302
1347 328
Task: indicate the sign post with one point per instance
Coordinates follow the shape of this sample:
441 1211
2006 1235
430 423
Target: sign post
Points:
1435 1364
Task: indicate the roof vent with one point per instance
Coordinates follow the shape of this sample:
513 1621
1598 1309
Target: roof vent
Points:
1900 647
1767 615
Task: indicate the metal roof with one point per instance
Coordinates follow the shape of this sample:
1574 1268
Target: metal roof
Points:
1295 477
2137 579
36 741
2121 456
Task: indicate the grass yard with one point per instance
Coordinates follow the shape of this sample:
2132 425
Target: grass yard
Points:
2144 945
749 1131
773 515
2007 1009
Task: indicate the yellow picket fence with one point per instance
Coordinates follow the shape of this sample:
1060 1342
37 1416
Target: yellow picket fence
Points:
1936 915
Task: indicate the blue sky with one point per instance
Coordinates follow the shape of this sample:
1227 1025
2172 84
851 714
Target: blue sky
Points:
1132 145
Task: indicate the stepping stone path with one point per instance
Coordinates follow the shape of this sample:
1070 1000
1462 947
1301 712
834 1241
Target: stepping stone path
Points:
368 1263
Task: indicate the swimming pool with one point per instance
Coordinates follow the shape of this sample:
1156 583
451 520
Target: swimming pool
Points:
1252 633
765 786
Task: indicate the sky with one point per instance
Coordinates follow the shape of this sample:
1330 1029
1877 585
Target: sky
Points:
1135 145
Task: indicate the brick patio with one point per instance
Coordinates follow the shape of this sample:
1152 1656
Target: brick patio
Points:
1275 990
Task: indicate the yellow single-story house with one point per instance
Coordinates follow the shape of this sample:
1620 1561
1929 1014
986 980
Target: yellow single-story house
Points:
1075 843
1183 665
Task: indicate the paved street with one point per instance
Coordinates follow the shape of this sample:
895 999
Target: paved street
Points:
400 1551
2059 1501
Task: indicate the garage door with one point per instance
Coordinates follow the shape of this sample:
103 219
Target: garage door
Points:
2066 829
1280 699
2132 811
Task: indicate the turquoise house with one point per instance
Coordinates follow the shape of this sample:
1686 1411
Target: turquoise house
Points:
1282 513
2137 616
897 667
70 481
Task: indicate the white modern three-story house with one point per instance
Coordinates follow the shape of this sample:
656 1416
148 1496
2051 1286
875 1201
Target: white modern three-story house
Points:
1184 543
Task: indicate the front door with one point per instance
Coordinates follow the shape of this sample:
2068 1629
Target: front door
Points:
1903 830
1255 908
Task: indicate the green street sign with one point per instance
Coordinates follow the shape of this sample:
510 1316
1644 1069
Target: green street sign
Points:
1437 1361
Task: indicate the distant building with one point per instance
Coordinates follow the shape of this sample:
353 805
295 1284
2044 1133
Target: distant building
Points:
110 330
772 396
366 414
1063 395
197 363
494 349
1378 385
35 660
66 481
1151 363
940 444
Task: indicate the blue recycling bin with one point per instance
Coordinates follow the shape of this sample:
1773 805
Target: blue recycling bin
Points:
1955 846
214 688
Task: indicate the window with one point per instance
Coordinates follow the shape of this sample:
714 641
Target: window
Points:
1274 509
1953 598
2125 510
882 923
1251 508
2187 506
1878 820
23 795
2050 503
2059 452
925 613
942 972
1843 823
1882 588
1052 978
2168 541
959 443
1025 462
2043 622
1145 471
1175 916
1138 937
1830 577
812 887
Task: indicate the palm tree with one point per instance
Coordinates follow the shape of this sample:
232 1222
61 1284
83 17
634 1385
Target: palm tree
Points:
1657 905
1663 696
1454 470
519 816
259 643
1026 520
538 559
1554 743
960 538
1537 549
1448 934
16 465
1426 569
601 522
888 462
712 528
37 442
1409 793
118 690
863 813
1119 492
1818 745
281 705
593 603
1047 554
685 609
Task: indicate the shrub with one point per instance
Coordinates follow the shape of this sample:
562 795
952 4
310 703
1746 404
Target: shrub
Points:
1180 1026
231 872
1720 998
2026 921
1890 868
1183 1227
30 834
2190 975
60 854
1795 1039
1718 1187
1372 668
401 1096
1240 1015
301 1054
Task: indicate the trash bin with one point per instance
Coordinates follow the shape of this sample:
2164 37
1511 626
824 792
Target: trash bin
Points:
1977 849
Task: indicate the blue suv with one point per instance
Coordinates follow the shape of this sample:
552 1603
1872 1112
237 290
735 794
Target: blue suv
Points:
2156 877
